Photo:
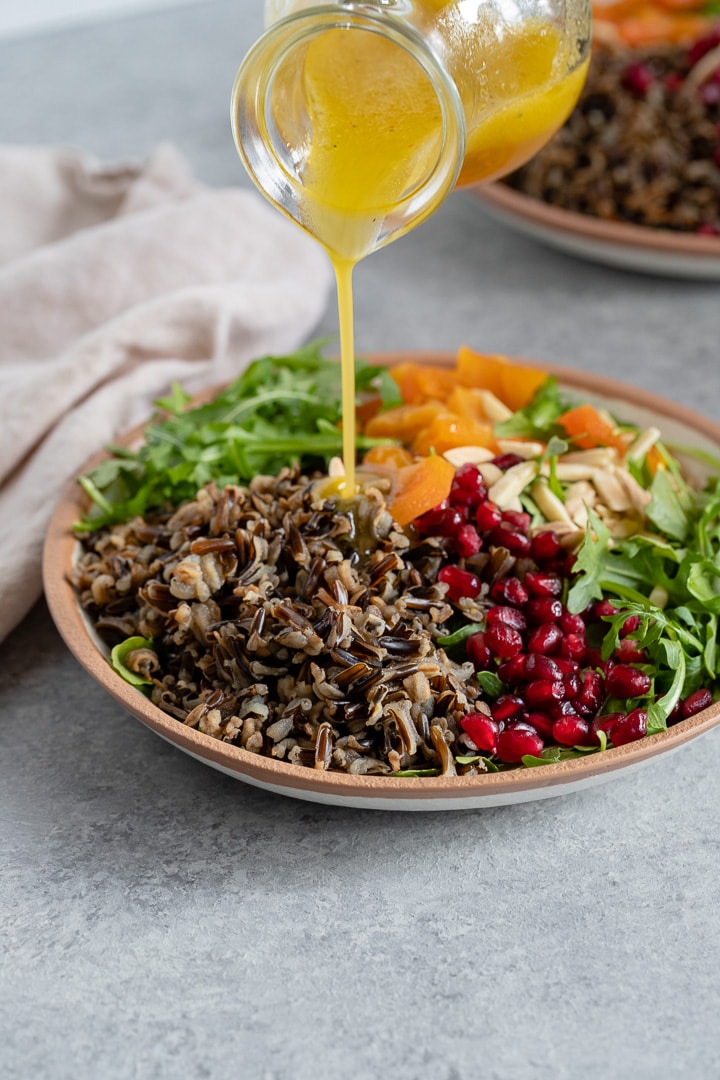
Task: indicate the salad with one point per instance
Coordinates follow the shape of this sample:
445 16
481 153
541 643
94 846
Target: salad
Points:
643 144
522 578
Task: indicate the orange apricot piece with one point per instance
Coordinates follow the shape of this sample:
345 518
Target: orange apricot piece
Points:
420 487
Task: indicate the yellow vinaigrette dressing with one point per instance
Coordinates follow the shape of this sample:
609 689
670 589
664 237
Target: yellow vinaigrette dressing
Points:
365 120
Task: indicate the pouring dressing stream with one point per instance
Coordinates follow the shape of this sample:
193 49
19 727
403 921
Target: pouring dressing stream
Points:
357 120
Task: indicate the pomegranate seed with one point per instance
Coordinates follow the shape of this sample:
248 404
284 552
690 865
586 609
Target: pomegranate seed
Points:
629 728
504 641
603 723
624 681
544 546
544 692
571 624
638 78
515 742
540 584
511 616
512 671
483 731
460 582
518 519
695 703
507 707
478 652
589 699
545 639
631 624
509 590
488 516
506 461
703 45
468 486
568 563
566 666
517 543
538 666
542 723
676 715
573 646
673 82
443 520
570 730
467 541
562 708
573 684
602 609
543 610
707 228
629 652
593 658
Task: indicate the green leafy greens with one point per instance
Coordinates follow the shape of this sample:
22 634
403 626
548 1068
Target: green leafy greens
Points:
681 568
281 410
539 419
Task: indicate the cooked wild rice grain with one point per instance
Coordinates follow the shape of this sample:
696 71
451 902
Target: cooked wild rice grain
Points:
644 150
286 628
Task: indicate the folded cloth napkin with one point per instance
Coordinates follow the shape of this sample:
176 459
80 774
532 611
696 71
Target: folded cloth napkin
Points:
114 283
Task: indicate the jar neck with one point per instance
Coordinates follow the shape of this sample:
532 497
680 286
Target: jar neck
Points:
276 166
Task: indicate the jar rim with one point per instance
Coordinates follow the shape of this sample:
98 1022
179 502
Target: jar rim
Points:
251 125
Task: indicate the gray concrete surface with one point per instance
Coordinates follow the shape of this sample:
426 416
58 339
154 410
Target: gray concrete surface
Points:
160 920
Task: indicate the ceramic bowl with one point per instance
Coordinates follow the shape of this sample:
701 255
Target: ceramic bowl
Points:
374 792
631 247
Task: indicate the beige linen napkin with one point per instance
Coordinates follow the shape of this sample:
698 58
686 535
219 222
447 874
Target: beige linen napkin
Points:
114 283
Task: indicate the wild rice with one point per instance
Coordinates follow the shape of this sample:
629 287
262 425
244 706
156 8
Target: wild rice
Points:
642 145
287 628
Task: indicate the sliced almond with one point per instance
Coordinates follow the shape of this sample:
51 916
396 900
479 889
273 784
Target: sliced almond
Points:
600 458
569 473
494 409
639 498
608 417
512 482
468 455
621 528
490 473
567 533
524 448
550 506
514 504
611 491
640 446
578 498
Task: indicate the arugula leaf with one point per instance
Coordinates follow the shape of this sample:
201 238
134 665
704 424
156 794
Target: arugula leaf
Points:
666 510
281 410
176 402
490 684
553 754
120 653
417 772
472 759
589 565
658 711
458 636
538 420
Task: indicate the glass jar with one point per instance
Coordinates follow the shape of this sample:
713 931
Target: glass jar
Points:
357 119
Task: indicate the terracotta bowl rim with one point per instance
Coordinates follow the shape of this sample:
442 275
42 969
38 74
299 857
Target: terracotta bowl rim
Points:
622 234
